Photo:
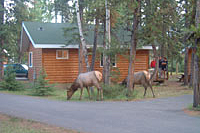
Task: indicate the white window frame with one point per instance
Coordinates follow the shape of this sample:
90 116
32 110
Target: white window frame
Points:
67 57
101 61
30 59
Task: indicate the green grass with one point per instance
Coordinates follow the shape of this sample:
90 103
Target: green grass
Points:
190 107
9 124
15 125
116 95
114 92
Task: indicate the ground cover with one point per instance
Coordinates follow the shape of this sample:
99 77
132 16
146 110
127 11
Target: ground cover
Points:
9 124
169 88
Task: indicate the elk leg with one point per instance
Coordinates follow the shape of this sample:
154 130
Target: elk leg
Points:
152 91
145 89
133 86
97 94
88 92
101 94
81 94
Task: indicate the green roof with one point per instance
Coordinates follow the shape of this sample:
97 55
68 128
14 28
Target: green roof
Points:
59 35
42 34
46 33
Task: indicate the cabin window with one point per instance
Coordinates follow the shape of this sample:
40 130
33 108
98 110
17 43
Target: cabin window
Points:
30 59
62 54
112 60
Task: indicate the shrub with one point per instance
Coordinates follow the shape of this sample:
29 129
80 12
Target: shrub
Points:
9 82
116 91
41 86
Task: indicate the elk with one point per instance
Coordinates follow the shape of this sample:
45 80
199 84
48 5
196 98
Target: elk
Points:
143 78
87 80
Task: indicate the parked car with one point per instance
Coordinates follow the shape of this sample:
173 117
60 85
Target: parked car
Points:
21 70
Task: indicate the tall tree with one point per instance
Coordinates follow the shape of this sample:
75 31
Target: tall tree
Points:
107 45
186 47
1 37
186 67
133 47
83 42
196 85
62 8
96 32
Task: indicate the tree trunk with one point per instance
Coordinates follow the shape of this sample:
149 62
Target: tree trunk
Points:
1 59
80 45
83 42
177 65
162 48
107 46
95 43
157 63
196 82
172 66
1 40
192 69
131 68
196 87
56 11
2 12
80 59
186 67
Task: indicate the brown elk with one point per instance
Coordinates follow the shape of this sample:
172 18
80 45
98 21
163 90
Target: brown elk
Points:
143 78
87 79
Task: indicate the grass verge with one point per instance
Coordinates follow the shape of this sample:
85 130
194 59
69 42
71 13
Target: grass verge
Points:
192 111
116 92
10 124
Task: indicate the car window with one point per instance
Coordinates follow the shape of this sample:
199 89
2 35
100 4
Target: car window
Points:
21 68
17 67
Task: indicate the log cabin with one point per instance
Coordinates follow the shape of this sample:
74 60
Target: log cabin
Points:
45 45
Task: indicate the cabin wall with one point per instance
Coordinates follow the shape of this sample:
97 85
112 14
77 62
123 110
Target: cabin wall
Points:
141 63
60 70
33 71
66 70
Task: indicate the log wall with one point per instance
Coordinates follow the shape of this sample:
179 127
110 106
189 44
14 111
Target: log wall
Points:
66 70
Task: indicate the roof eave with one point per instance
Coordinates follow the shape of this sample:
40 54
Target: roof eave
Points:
28 34
58 46
55 46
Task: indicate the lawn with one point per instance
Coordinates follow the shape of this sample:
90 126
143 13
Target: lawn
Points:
10 124
170 88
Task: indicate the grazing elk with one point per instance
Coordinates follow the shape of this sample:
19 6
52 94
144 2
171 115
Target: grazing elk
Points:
87 79
143 78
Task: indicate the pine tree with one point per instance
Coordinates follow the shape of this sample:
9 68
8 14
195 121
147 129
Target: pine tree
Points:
9 82
1 37
196 85
41 86
134 42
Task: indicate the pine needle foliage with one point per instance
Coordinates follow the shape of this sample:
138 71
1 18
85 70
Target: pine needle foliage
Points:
41 86
9 82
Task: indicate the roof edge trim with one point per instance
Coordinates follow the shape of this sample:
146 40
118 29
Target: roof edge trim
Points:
58 46
28 34
55 46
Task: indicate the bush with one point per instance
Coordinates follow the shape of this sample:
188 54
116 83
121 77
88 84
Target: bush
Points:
9 82
116 91
41 86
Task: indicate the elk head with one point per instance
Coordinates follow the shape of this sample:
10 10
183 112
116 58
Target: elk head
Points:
70 91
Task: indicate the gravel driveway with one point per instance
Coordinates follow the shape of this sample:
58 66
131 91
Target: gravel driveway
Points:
163 115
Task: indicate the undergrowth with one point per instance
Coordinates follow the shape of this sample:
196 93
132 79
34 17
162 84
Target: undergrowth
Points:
117 92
